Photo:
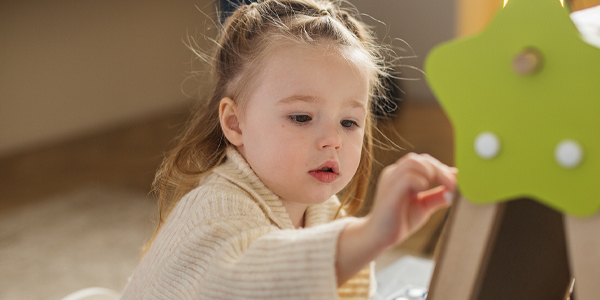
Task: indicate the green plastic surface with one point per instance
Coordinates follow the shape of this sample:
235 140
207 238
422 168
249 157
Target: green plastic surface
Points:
476 85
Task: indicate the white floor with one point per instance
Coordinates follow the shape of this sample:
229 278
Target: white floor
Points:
407 276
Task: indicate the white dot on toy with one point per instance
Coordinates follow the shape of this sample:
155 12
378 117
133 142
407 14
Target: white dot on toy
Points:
487 145
568 154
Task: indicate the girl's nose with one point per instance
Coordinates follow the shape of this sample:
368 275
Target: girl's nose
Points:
330 137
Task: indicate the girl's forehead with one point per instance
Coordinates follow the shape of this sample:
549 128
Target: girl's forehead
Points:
289 52
318 73
292 64
308 61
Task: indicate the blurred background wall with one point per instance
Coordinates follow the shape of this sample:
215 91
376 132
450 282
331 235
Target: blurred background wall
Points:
415 26
69 68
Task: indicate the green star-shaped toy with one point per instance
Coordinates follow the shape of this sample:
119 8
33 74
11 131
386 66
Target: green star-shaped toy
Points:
524 99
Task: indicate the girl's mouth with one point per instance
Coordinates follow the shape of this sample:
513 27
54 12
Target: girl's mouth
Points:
326 173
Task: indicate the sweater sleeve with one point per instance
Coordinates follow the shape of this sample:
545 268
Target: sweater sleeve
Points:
275 264
240 260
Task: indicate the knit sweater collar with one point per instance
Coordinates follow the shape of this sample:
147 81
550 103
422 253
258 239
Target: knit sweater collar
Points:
237 170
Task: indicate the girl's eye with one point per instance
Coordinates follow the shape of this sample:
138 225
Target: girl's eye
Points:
300 118
349 123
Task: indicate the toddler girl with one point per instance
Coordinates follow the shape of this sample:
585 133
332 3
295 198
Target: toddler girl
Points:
248 197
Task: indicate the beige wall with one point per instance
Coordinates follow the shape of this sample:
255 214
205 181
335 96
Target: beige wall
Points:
69 67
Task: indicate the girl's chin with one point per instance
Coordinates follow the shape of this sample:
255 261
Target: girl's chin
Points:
317 199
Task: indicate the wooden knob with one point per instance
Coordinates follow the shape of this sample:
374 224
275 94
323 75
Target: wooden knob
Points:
527 62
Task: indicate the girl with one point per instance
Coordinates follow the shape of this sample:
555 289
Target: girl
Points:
248 197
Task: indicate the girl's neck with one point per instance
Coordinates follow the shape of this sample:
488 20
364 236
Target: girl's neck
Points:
296 211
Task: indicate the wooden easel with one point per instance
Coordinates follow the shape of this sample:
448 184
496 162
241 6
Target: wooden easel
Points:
516 250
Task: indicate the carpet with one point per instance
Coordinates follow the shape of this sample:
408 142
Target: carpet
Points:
88 237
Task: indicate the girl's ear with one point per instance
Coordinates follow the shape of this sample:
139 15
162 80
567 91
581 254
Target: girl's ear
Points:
229 119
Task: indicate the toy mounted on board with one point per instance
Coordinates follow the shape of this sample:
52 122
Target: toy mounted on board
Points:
524 100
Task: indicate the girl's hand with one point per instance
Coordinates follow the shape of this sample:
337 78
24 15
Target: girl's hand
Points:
405 199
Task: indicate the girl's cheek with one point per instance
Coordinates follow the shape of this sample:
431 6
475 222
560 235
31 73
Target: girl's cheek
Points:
290 135
358 142
357 135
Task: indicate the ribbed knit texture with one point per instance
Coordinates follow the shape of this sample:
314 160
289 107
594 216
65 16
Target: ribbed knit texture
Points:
231 238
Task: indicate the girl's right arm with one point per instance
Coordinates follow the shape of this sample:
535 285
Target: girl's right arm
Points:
404 200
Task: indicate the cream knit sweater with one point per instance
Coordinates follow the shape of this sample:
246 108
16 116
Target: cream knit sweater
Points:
231 238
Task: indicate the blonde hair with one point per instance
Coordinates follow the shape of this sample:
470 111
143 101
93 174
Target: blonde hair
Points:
241 46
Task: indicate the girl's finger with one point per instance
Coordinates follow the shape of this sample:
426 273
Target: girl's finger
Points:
430 201
428 166
439 163
417 163
444 175
439 194
410 182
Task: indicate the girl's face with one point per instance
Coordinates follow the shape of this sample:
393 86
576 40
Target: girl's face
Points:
303 125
